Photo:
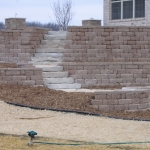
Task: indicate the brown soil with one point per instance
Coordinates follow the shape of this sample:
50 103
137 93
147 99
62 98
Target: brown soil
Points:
7 65
42 97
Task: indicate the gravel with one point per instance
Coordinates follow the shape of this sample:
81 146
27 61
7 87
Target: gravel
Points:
70 126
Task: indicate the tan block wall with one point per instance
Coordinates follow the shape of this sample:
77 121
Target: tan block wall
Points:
15 23
21 76
121 100
19 45
100 56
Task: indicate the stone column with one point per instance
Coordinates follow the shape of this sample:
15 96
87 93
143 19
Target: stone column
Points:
91 23
15 23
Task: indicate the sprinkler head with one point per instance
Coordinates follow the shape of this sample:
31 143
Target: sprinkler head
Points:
31 134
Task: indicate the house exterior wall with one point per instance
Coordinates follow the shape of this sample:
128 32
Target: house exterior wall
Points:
125 22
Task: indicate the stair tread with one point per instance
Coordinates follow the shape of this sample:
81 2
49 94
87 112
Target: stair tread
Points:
55 74
64 86
55 55
66 80
48 56
49 50
48 68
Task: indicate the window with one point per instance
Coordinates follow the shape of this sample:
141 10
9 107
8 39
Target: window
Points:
116 10
139 8
126 9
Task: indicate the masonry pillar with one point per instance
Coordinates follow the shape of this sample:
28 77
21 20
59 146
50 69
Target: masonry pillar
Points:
15 23
91 23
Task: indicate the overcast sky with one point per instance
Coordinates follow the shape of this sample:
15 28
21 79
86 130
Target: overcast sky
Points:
40 10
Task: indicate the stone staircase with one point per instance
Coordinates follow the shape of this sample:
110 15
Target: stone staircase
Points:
48 57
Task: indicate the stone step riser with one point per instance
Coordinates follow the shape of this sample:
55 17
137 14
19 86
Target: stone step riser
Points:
50 68
64 86
46 59
58 80
55 55
45 63
52 37
52 46
55 74
49 50
53 42
57 33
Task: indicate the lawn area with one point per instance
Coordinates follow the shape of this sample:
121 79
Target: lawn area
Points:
12 142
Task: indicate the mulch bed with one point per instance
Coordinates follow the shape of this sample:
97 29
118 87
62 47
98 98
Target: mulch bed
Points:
42 97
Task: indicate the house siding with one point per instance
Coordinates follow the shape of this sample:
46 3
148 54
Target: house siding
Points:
126 22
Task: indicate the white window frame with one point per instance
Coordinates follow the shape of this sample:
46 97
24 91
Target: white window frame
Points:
122 9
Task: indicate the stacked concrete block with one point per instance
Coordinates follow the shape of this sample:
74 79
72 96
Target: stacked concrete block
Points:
21 76
106 44
15 23
92 22
91 74
108 55
121 100
17 45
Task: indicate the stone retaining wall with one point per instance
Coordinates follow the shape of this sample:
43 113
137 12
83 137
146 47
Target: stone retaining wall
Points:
19 45
119 100
97 56
21 76
91 74
107 44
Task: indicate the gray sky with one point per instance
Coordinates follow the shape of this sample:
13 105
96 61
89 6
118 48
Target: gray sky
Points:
40 10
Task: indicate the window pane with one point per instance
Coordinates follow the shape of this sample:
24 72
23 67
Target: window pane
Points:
116 10
115 0
139 8
127 9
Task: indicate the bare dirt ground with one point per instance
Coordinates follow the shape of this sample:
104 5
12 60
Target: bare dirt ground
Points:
70 126
42 97
56 125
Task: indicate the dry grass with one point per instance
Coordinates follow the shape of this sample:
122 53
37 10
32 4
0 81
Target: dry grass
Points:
10 142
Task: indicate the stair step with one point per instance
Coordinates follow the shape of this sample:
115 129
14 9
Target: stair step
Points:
55 37
49 55
58 80
64 86
53 42
52 46
25 65
57 32
46 59
55 74
35 63
48 68
42 49
49 50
